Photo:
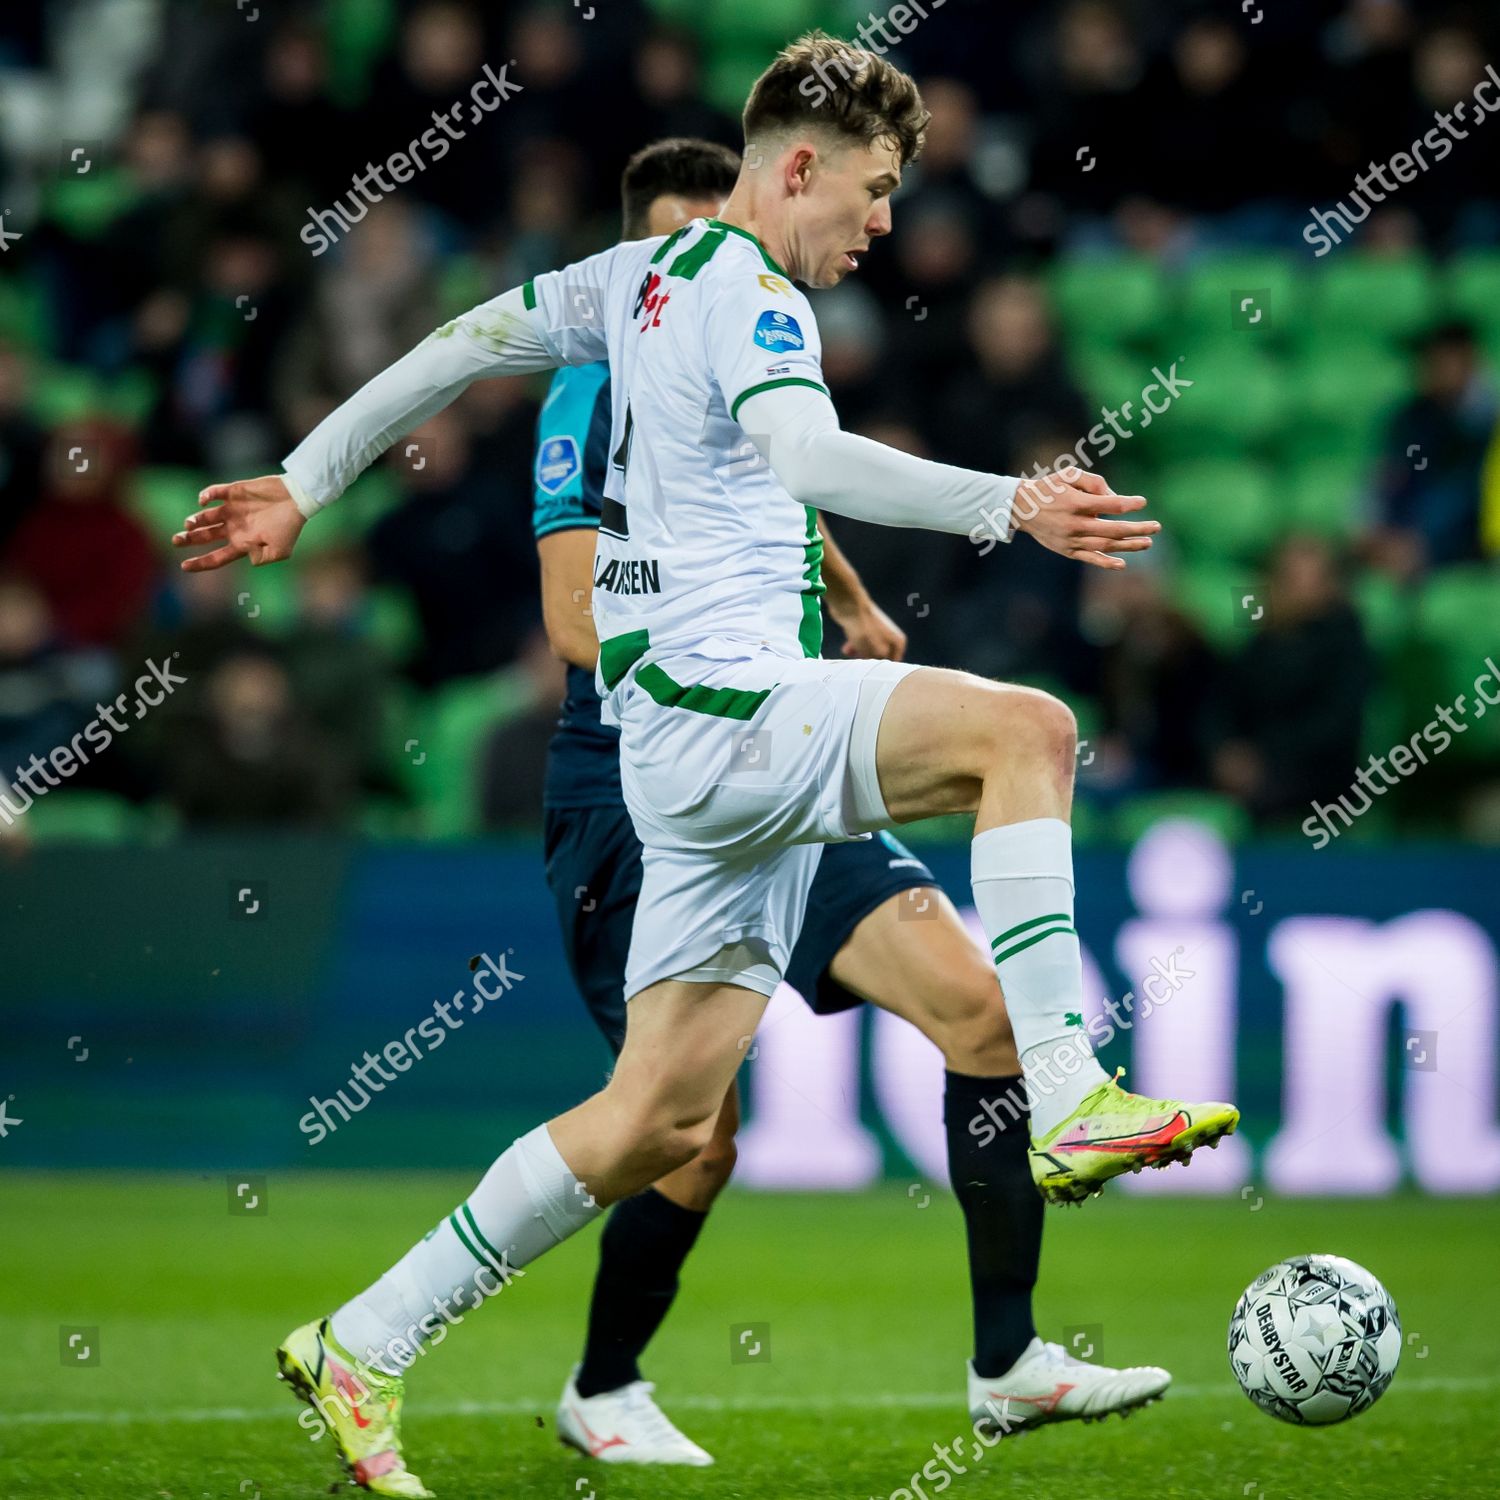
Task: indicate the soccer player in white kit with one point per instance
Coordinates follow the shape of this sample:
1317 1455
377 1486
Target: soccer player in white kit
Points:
742 751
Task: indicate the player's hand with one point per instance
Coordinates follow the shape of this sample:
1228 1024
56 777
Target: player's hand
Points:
872 634
1068 513
254 518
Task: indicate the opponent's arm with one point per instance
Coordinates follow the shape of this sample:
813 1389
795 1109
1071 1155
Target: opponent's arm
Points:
868 631
567 559
796 429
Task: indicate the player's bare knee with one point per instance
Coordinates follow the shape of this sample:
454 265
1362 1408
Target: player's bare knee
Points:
1039 728
976 1037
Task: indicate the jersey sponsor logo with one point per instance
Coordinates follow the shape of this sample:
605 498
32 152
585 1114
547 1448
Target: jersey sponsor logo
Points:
649 283
778 332
557 463
630 576
650 300
774 284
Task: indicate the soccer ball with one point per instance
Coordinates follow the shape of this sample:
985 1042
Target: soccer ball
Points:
1316 1339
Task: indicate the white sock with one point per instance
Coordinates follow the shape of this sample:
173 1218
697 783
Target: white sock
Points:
525 1204
1023 888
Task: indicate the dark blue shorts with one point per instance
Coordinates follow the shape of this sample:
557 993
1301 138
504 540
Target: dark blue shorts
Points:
594 872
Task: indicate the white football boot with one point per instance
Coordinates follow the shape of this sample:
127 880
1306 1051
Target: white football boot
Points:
624 1427
1048 1385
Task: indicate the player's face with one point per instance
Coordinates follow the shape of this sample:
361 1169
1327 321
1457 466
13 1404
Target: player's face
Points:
847 203
669 213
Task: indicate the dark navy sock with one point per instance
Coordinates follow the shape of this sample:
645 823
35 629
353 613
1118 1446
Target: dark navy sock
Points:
645 1241
988 1133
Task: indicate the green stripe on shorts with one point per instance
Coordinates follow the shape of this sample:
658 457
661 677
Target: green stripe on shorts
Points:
721 703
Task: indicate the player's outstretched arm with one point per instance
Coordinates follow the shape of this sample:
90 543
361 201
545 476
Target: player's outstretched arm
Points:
1072 513
555 320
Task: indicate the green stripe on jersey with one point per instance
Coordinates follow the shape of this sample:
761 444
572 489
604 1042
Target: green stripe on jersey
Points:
1065 930
691 261
770 385
810 633
667 243
1020 927
620 653
528 296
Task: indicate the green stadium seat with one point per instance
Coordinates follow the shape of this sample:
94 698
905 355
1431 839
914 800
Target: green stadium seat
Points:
1387 611
62 394
465 282
1323 495
81 817
393 622
161 498
1340 398
1456 619
1214 290
129 397
1222 510
1107 376
85 206
1222 814
1236 405
1373 297
23 314
442 769
1473 290
740 39
1208 591
359 34
1113 301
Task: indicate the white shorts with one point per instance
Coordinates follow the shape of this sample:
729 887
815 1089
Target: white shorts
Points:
736 773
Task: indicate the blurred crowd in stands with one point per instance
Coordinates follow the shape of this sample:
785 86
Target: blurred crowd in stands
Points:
164 323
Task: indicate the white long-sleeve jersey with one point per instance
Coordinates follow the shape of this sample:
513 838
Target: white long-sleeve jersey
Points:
724 443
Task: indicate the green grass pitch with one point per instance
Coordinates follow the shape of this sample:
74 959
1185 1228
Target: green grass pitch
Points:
865 1298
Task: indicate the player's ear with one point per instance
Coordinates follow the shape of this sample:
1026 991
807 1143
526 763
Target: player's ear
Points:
799 167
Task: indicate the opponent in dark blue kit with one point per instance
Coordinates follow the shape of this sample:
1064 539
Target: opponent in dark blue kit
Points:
853 948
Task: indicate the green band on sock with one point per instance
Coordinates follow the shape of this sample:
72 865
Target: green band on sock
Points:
468 1244
1005 937
1063 931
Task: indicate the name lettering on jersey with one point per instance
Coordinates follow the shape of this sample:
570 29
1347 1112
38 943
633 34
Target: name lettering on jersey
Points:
650 300
779 332
630 576
775 284
557 463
